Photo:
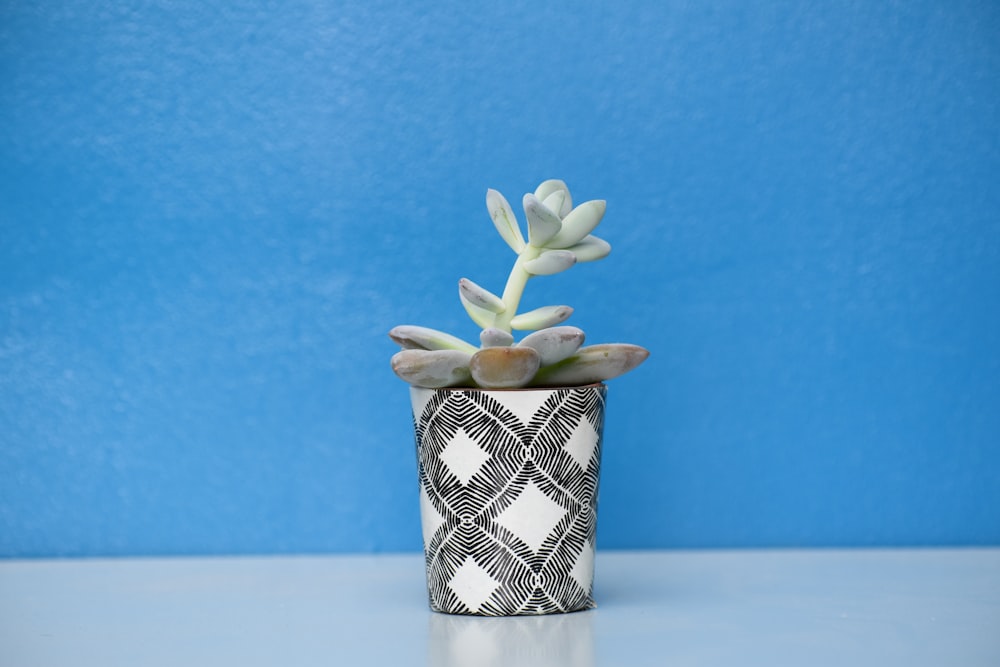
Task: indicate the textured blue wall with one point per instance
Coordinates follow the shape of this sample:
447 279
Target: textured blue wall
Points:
210 215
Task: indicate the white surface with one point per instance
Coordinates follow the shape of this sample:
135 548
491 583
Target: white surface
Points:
905 607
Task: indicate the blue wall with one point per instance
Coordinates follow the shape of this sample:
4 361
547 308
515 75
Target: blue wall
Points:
210 215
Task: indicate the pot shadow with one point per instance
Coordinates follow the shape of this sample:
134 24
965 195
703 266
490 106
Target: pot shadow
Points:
552 640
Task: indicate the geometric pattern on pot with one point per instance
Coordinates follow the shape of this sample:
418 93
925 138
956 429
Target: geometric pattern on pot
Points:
508 497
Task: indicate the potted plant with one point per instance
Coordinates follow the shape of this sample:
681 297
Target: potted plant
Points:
509 432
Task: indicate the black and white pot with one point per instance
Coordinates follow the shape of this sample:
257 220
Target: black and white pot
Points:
508 497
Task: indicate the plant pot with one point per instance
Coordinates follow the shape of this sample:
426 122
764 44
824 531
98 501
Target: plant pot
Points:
508 497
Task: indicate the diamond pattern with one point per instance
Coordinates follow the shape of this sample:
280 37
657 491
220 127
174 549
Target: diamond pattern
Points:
525 404
533 516
583 568
582 442
472 584
508 497
463 456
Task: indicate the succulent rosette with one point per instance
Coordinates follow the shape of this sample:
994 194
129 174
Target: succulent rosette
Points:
552 355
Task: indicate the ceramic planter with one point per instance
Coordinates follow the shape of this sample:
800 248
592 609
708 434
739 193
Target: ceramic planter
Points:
508 497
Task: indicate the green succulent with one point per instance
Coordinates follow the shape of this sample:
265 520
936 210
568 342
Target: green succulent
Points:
559 236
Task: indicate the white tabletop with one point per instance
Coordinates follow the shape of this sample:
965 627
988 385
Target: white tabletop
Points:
838 607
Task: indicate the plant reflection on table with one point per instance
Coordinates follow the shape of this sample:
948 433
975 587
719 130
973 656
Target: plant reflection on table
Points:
557 640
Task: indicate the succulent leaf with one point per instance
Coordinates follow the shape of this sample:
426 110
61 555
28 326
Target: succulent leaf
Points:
433 368
558 236
541 318
480 296
412 337
594 363
482 317
590 249
504 367
504 220
494 337
578 223
546 188
543 224
555 201
550 262
554 344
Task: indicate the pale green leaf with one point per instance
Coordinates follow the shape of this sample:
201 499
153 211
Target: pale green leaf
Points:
433 368
504 220
412 337
493 337
504 367
550 262
543 224
578 224
550 186
554 344
556 202
590 249
482 317
541 318
595 363
480 296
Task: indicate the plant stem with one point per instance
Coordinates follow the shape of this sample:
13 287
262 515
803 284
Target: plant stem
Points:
514 289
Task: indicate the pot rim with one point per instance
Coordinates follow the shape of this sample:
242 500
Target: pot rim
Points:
515 389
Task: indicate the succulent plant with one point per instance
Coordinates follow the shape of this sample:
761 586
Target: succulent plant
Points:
559 236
